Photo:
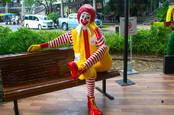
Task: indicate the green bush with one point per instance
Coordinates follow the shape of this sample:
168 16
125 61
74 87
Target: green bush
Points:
159 39
170 45
115 42
140 41
4 31
153 41
53 16
19 41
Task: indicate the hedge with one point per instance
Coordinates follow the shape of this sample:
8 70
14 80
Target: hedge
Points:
153 41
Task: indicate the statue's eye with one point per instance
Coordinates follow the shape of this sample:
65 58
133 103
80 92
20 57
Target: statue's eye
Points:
88 18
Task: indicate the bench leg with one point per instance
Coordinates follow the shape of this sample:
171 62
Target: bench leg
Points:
103 90
16 107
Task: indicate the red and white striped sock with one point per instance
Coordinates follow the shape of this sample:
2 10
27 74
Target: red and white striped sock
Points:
90 86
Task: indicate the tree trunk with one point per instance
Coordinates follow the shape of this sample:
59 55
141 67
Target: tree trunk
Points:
151 5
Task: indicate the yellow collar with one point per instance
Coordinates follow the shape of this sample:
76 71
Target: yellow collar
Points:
80 27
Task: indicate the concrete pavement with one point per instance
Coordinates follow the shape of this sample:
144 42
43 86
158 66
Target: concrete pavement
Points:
112 27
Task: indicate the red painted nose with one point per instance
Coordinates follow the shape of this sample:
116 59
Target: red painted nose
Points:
85 19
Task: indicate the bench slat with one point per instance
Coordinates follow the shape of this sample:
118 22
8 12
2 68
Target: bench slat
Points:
50 86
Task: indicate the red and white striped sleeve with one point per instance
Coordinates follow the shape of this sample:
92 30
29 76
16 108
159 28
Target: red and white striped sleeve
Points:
94 58
100 37
61 40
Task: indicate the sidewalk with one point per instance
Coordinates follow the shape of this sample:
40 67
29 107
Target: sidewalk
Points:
112 27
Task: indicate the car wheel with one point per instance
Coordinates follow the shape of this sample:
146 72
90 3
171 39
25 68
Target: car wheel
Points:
39 27
27 26
65 26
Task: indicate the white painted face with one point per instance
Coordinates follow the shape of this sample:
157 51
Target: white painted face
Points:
85 18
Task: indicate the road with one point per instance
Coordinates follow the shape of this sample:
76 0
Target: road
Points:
16 27
12 27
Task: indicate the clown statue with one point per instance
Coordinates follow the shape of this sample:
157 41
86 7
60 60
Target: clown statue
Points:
91 52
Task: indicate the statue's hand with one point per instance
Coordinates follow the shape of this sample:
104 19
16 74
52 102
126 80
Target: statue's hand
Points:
33 47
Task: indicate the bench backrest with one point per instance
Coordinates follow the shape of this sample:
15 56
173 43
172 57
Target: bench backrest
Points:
32 68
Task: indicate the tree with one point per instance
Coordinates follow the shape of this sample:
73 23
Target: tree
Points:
162 12
110 7
47 4
29 4
53 16
6 1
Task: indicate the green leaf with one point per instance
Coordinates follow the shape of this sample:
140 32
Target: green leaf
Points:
6 1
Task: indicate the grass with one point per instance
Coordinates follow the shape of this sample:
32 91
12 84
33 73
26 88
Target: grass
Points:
105 26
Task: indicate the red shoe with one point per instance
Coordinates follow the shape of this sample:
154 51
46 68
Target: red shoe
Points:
74 70
92 107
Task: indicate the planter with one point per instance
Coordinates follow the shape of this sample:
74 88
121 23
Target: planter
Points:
168 64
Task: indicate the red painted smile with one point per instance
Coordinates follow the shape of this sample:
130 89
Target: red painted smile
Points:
84 23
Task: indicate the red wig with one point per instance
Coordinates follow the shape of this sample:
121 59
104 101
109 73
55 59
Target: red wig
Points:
87 8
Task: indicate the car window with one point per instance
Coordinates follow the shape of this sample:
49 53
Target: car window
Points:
44 18
30 17
26 18
35 18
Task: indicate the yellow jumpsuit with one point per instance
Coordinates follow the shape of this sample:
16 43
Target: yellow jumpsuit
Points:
79 49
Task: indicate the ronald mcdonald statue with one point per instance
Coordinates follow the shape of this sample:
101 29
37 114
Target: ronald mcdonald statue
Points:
91 52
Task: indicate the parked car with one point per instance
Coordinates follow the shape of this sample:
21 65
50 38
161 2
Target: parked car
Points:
37 22
98 22
11 18
72 22
15 20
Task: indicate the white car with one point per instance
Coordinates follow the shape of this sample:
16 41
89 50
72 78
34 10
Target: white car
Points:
37 22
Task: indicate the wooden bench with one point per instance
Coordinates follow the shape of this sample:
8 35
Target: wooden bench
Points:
29 74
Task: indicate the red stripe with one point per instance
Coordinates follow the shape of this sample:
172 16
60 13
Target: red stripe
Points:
94 59
97 33
90 83
86 43
57 43
58 40
64 40
91 61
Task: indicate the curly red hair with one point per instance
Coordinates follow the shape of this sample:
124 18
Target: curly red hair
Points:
89 9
